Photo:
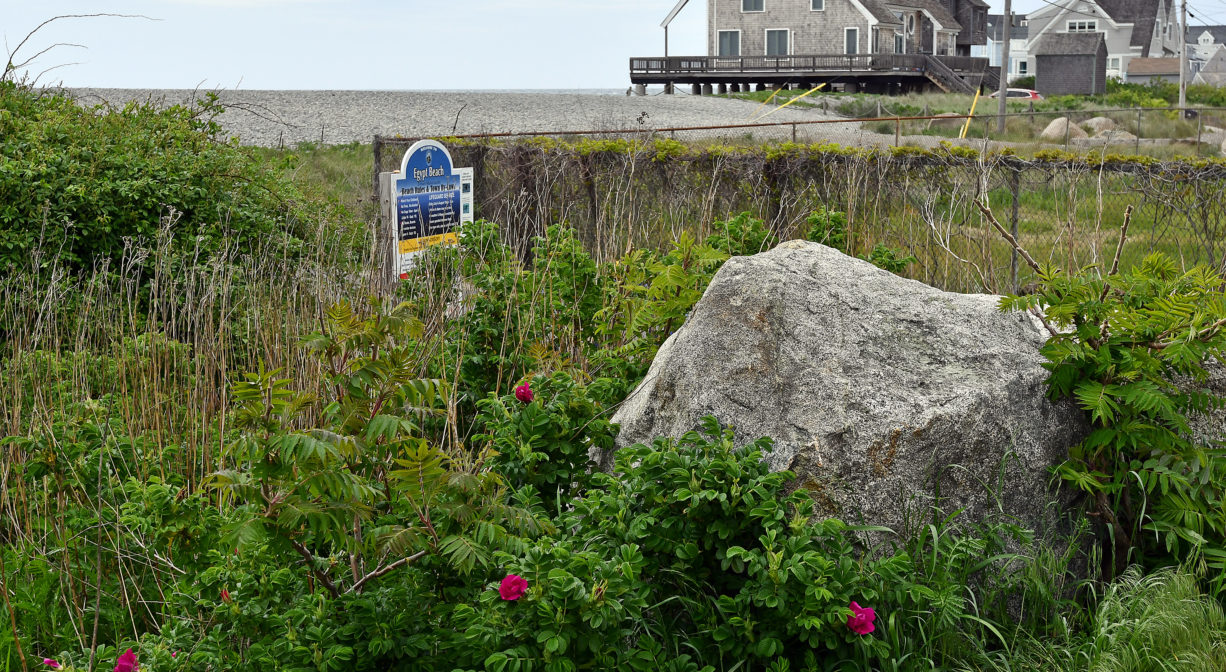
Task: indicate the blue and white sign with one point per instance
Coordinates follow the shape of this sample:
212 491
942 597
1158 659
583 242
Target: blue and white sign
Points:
431 199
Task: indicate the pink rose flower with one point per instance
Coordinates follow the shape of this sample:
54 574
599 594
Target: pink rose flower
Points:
861 619
513 587
524 393
225 596
127 662
51 663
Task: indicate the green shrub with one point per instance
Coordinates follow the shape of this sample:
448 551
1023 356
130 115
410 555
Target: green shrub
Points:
83 183
1122 342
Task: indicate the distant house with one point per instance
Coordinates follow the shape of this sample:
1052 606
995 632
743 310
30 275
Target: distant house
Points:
1070 63
785 27
1204 42
1146 70
1213 72
1019 55
1130 28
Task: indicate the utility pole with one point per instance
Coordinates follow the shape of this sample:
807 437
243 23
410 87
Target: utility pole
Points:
1004 66
1183 58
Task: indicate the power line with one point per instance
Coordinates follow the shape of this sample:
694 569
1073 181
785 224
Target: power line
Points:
1073 11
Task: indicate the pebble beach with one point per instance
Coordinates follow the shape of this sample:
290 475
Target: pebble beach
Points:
286 118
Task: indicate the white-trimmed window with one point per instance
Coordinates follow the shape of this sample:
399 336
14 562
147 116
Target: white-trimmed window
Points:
729 43
1113 63
777 42
899 43
1022 67
1083 26
753 5
851 40
817 5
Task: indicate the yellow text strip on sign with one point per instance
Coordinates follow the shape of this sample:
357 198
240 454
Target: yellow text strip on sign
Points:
417 244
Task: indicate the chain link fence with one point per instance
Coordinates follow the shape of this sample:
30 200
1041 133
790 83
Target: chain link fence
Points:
914 189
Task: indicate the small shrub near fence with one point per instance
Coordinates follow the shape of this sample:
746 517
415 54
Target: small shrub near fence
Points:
1064 208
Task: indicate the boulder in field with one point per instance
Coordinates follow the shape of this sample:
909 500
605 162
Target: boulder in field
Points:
882 394
1097 125
1055 131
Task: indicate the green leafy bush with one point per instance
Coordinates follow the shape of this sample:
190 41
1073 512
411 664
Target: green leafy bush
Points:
1122 345
82 183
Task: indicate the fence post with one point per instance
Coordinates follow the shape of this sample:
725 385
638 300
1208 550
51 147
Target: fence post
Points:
377 144
1199 120
793 132
1138 143
1068 125
1014 184
897 132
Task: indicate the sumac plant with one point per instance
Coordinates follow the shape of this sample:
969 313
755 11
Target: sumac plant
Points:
1132 350
364 492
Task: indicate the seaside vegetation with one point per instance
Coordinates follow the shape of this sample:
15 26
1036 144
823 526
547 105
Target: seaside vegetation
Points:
224 450
1120 103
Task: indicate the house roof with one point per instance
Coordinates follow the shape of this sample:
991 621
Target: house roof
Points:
879 12
934 9
1153 66
1215 65
1218 33
1140 13
1068 44
996 25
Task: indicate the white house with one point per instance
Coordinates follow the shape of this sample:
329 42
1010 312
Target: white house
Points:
1020 63
1131 28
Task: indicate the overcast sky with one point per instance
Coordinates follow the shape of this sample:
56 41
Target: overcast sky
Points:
359 44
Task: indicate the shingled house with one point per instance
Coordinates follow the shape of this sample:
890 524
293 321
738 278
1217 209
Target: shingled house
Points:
785 27
1070 63
883 46
1130 29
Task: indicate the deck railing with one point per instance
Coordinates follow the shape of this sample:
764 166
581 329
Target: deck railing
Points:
657 65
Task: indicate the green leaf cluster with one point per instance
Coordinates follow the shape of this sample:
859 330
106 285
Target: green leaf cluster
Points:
1132 350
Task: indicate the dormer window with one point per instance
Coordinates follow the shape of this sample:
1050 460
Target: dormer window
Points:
1083 26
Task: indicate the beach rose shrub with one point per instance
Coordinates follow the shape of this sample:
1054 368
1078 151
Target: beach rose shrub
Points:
545 444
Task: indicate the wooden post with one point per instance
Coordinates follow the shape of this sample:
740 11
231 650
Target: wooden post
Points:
1199 119
897 132
1014 184
793 132
1138 144
377 145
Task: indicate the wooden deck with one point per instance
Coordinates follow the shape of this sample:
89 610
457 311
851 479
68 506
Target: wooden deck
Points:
951 73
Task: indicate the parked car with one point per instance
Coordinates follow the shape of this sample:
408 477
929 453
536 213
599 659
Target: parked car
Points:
1019 94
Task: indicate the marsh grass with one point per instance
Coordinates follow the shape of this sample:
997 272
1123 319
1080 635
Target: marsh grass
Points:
1160 621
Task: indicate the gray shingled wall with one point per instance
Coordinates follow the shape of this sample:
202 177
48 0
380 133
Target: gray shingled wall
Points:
1059 75
811 32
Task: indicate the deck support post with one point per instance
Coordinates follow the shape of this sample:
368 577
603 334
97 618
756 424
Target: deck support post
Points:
706 89
640 89
723 88
696 89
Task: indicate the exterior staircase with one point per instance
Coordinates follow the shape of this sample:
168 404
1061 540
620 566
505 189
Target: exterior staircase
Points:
944 77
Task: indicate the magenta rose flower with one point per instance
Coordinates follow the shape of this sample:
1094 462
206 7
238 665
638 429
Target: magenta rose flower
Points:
513 587
861 619
524 393
53 664
127 662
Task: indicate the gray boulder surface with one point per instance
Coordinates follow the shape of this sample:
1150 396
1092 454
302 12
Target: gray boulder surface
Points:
1060 128
1097 125
882 394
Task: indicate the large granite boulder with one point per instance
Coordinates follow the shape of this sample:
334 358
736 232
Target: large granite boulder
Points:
1062 128
882 394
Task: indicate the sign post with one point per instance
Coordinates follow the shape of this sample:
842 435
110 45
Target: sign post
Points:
429 200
